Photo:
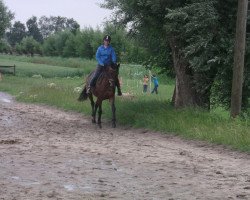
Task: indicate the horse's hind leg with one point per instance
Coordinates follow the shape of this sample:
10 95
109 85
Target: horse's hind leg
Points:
112 102
100 115
93 108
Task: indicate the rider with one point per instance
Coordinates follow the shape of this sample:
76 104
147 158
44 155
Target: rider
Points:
105 56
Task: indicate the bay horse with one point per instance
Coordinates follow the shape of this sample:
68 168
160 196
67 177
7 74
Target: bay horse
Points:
103 90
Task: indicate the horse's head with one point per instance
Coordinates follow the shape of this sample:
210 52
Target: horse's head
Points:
114 68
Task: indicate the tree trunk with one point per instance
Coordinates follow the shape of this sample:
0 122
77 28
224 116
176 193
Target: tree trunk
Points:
184 93
239 54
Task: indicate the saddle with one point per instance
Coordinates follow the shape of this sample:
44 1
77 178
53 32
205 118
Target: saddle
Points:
105 74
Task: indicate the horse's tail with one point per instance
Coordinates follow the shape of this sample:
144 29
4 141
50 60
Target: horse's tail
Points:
83 96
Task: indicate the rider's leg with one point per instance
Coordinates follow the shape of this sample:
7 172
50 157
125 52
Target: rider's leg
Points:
156 89
94 78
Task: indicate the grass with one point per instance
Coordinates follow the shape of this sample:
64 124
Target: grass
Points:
28 69
153 112
52 61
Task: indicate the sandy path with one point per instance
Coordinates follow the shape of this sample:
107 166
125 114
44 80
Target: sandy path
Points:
47 153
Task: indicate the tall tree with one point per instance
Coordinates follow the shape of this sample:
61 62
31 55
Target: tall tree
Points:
5 18
53 24
17 33
239 55
33 29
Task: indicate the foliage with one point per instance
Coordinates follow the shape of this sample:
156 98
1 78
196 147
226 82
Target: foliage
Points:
16 33
29 46
5 18
246 84
4 46
54 24
85 42
33 29
49 48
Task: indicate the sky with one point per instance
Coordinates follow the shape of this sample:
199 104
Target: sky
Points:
87 13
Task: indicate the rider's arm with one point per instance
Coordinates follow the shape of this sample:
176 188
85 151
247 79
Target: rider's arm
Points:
98 57
113 55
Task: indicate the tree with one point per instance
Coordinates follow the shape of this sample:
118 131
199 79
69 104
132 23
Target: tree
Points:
194 51
5 18
48 47
33 29
16 34
60 41
71 25
30 46
86 42
51 25
46 27
239 54
4 46
69 49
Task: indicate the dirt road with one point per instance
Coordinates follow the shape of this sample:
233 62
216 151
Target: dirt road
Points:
47 153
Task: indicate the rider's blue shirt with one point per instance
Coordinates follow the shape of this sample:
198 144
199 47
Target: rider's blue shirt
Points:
105 56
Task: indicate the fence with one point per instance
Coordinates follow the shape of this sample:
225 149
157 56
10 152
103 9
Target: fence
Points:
8 69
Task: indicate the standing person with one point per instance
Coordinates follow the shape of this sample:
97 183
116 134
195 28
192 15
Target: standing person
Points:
145 83
105 56
156 84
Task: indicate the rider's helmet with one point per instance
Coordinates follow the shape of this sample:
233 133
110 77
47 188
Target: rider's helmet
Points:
107 38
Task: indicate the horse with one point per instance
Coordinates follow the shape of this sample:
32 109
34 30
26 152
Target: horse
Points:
103 90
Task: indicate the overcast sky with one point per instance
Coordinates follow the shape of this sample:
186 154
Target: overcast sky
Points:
85 12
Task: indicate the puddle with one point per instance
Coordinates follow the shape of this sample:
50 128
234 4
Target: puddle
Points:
25 182
5 98
15 177
72 187
69 187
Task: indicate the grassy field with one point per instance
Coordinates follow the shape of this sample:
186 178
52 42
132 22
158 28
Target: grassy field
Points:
52 81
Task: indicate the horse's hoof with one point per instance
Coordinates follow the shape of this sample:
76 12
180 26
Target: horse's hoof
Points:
100 126
93 121
113 125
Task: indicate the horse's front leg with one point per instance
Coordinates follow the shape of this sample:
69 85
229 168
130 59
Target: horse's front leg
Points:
100 115
112 103
93 108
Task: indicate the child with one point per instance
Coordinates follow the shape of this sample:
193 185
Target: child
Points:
156 84
145 83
